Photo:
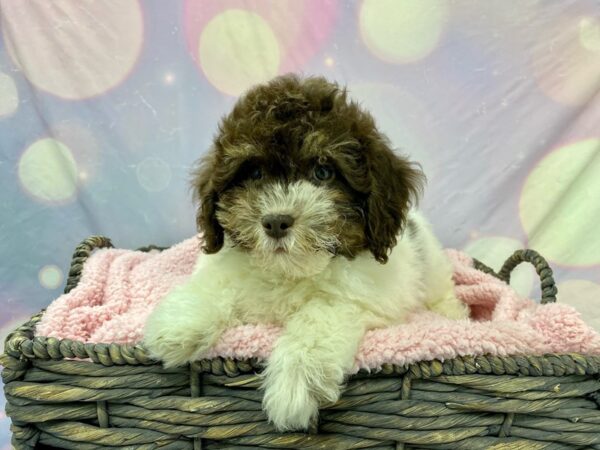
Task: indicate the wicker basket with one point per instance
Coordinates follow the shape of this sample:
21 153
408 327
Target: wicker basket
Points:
66 394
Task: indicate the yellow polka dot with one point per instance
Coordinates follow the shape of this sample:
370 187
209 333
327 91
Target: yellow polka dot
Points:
402 31
153 174
73 49
494 250
50 276
9 97
589 33
560 205
47 170
238 49
584 296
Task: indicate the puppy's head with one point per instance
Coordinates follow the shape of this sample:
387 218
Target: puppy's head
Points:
297 175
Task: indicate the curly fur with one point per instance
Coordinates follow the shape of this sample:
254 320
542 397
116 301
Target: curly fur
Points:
287 124
345 266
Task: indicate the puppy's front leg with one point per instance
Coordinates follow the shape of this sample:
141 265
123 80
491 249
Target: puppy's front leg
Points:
309 361
189 320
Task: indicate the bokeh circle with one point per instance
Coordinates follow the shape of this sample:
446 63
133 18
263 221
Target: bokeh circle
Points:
560 204
50 276
153 174
238 49
402 31
300 29
73 49
48 171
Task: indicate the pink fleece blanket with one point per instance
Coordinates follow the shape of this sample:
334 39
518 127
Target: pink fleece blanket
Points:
119 289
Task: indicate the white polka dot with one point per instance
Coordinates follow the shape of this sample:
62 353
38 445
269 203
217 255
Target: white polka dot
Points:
494 250
153 174
560 205
402 31
70 48
584 296
238 49
47 170
9 97
50 276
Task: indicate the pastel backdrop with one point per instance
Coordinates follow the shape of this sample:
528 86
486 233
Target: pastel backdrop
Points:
105 105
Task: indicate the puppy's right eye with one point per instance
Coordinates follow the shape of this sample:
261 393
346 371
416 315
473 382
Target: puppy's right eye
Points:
256 173
323 172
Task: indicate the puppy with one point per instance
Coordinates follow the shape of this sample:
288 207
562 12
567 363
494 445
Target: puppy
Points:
306 219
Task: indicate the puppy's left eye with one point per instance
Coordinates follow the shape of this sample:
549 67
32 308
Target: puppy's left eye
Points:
323 172
256 173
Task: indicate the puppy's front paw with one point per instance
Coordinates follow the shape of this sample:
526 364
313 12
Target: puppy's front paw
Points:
183 327
168 346
296 384
288 401
175 346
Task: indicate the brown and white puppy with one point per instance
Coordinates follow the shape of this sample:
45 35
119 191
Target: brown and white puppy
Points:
307 223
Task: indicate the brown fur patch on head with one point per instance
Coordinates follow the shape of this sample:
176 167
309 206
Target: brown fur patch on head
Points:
285 128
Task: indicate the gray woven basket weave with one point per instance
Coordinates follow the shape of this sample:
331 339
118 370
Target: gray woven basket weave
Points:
67 394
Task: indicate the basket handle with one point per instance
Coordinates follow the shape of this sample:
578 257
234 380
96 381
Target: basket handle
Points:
81 254
548 285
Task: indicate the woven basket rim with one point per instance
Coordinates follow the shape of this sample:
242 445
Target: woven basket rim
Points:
21 344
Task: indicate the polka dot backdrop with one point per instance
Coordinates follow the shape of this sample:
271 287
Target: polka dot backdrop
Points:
104 106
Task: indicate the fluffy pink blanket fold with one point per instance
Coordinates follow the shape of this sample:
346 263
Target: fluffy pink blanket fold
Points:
119 289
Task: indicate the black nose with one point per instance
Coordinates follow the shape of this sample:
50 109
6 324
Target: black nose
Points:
276 225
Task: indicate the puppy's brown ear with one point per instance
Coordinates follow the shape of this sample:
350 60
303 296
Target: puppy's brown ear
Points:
205 192
395 186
